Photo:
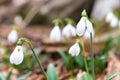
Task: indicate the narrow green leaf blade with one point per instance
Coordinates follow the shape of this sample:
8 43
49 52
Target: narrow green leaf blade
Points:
80 61
24 76
51 73
64 57
9 75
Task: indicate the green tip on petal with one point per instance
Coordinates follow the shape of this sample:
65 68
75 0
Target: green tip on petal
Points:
70 21
58 22
84 13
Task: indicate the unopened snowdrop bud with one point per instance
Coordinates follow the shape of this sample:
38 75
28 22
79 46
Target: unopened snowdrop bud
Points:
74 50
12 36
69 31
56 34
17 55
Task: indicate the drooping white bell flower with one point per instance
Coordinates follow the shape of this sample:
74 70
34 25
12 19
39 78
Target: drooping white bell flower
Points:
56 34
81 26
17 56
84 27
68 31
88 30
109 16
114 22
18 19
12 36
74 49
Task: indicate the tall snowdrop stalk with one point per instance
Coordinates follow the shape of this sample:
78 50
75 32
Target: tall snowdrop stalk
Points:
55 34
17 55
92 53
85 28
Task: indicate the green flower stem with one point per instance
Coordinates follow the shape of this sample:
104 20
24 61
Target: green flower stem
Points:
91 51
83 51
67 44
86 65
38 61
20 41
72 74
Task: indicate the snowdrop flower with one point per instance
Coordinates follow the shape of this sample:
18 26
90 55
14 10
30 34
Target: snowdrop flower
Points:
55 34
18 19
13 36
88 30
74 49
109 17
69 31
84 27
112 19
114 22
81 26
17 56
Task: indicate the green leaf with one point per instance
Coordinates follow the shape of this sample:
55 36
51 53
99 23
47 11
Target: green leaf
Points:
51 73
112 76
80 61
9 75
86 76
107 45
2 77
64 57
24 76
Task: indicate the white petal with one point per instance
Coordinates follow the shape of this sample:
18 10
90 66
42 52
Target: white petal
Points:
87 34
13 36
55 34
89 30
89 26
81 26
109 17
68 31
114 22
74 50
17 56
